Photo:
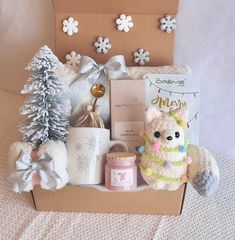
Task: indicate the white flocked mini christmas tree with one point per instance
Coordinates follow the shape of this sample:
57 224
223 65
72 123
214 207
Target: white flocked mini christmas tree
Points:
47 107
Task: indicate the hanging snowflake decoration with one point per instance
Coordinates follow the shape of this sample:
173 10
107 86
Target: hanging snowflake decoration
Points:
124 23
70 26
73 59
141 56
102 45
168 23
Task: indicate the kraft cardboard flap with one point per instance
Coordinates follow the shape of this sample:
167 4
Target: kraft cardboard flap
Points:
117 6
97 18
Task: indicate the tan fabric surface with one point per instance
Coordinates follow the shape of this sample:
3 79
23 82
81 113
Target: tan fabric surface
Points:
202 219
25 25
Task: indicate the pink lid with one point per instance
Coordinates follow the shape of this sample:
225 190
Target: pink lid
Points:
121 158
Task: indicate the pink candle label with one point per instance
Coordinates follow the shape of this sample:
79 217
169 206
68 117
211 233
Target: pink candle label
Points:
121 177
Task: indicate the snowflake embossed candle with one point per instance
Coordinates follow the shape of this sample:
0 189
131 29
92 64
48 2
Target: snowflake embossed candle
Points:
121 171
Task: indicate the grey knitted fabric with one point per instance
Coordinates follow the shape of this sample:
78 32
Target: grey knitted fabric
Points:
206 183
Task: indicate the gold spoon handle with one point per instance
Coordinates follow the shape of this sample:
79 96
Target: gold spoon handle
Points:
93 106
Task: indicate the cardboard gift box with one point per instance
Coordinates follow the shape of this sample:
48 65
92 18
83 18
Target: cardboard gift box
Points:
97 18
82 199
130 98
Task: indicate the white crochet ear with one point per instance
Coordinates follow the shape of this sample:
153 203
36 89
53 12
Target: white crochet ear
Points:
57 150
152 113
14 153
183 113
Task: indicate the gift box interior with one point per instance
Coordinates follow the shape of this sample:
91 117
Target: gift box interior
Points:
97 18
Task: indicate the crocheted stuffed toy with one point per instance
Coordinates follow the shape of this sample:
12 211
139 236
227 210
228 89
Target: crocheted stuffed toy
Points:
168 160
46 166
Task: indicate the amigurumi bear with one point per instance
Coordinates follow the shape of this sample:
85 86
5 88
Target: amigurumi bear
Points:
168 160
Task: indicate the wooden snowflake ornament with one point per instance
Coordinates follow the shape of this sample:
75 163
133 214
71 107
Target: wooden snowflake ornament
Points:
141 56
102 45
73 59
70 26
124 23
168 24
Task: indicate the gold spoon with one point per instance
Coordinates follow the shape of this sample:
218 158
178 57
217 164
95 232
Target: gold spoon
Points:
98 91
91 118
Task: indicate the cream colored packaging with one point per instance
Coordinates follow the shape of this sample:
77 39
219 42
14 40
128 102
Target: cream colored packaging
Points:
165 87
127 111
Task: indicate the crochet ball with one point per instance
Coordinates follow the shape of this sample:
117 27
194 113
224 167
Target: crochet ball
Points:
155 147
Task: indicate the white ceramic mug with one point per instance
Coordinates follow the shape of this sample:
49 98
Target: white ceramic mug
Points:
86 154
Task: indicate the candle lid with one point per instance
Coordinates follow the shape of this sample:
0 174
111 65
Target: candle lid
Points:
121 156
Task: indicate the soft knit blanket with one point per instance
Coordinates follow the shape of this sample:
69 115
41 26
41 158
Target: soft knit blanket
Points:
212 218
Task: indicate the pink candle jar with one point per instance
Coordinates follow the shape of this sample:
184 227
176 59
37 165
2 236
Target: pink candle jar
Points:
121 171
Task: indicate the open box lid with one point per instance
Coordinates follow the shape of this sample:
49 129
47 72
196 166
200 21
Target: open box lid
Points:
97 18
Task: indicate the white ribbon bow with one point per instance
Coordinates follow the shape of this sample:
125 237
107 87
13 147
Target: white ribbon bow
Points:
115 68
26 167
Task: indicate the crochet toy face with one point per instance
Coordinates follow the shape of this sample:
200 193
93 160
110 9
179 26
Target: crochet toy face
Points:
166 129
164 162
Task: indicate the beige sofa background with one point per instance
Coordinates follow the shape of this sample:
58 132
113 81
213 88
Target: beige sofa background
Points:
25 25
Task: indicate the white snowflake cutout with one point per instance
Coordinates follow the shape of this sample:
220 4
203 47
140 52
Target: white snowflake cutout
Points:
124 23
83 162
141 56
70 26
73 59
168 23
102 45
91 142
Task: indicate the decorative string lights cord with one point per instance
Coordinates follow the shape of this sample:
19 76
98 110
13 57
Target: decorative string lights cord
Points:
149 172
175 92
191 120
